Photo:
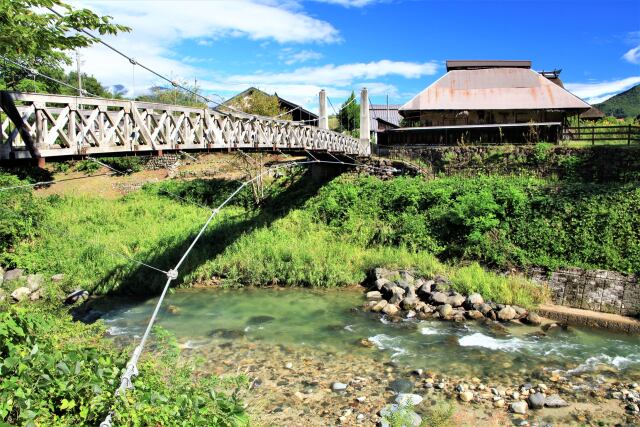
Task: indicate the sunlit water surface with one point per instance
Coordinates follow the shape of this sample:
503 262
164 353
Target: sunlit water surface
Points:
326 321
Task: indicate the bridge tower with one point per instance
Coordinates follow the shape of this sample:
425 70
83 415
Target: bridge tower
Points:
365 131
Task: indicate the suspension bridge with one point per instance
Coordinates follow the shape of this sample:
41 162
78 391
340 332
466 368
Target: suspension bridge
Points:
41 126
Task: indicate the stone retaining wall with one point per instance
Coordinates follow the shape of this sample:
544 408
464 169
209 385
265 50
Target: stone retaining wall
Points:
597 290
161 162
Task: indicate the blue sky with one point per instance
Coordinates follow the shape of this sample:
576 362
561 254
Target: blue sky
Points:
393 47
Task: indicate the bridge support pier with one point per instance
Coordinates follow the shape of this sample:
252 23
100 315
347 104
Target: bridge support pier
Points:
159 153
41 161
321 172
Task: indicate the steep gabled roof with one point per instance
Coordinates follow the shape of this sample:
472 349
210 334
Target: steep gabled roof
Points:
494 89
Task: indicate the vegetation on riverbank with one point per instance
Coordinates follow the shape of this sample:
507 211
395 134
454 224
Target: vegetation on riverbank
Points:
57 372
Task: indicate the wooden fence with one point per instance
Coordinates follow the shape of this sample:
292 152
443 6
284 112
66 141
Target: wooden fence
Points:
596 134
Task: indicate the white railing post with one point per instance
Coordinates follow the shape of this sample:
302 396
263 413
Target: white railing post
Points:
324 119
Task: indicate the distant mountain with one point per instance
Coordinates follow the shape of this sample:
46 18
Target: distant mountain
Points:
624 104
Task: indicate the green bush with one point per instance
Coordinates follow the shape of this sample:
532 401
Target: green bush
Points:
126 164
500 221
20 214
56 372
87 166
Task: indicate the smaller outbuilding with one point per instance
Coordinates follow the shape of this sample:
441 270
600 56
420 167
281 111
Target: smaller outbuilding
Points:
297 112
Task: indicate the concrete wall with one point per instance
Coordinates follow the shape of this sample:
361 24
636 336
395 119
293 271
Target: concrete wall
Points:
597 290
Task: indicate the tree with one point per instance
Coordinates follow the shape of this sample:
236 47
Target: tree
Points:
39 38
259 103
174 96
349 115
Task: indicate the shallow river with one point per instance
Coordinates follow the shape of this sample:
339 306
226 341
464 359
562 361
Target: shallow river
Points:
327 321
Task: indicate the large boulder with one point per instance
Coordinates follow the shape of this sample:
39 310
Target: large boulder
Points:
75 296
380 305
506 313
474 315
390 309
14 274
34 281
408 288
555 401
520 312
397 295
484 309
536 401
424 292
407 277
474 299
519 407
374 296
381 283
532 319
409 303
456 300
445 311
21 293
439 298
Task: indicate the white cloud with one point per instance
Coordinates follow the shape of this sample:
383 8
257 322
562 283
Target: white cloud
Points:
303 84
290 57
594 93
343 75
349 3
633 55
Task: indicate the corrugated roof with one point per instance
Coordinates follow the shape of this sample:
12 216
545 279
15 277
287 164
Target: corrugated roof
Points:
493 89
485 63
379 111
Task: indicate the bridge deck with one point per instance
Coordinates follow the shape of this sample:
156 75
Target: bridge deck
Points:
41 125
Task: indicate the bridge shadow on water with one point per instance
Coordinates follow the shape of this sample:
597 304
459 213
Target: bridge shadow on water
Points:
142 283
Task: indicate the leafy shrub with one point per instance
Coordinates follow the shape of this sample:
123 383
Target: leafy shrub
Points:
56 372
87 166
20 213
126 164
500 221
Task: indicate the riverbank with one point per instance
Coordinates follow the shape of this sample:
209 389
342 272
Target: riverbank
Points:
314 358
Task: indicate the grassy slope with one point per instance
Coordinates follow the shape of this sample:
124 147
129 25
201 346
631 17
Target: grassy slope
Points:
624 104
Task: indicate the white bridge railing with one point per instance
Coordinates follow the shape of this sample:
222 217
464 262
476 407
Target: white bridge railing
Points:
62 125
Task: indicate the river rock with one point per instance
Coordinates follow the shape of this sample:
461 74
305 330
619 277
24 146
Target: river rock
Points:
20 293
407 277
506 313
401 386
536 401
484 309
35 296
532 319
466 396
456 300
57 278
445 310
474 315
406 399
555 401
410 302
439 298
379 306
76 296
519 407
474 299
14 274
380 283
34 281
397 295
379 273
338 386
412 419
520 312
374 296
390 309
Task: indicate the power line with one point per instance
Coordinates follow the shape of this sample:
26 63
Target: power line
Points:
38 73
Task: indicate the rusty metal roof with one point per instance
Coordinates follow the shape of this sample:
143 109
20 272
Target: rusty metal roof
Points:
484 63
493 89
379 111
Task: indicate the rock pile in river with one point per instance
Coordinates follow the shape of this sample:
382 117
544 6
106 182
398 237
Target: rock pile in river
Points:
399 292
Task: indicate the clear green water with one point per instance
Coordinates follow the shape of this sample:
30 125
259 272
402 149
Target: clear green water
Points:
327 321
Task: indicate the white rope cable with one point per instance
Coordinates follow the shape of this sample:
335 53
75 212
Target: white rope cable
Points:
15 187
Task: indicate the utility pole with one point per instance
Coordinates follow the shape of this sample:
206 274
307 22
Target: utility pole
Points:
78 72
